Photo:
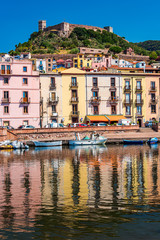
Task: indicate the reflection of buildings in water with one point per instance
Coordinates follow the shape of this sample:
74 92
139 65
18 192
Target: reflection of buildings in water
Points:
19 191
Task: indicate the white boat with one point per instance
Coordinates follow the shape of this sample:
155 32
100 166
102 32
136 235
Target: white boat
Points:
94 139
47 144
19 145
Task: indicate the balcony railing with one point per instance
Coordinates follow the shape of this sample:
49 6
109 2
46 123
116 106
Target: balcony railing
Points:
138 114
5 72
127 88
5 100
53 100
25 100
52 86
74 85
153 101
113 100
128 101
139 101
96 113
153 89
138 89
95 100
95 88
75 113
112 88
54 114
74 99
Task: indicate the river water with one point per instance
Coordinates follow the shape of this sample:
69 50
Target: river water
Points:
81 193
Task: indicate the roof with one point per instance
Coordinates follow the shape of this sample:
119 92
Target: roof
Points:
115 118
60 60
98 118
73 71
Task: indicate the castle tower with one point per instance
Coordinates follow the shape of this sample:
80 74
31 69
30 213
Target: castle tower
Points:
41 25
109 29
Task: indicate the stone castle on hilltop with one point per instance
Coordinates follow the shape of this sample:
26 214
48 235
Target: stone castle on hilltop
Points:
64 29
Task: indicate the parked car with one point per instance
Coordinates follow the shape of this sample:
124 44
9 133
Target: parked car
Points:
29 127
81 125
21 126
10 127
101 124
93 124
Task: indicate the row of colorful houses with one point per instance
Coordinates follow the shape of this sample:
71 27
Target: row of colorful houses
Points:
73 95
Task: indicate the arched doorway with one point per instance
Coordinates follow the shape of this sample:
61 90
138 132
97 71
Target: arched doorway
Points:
139 122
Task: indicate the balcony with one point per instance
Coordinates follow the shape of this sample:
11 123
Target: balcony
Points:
52 100
153 101
127 88
96 113
138 89
5 72
139 102
5 100
25 100
74 113
95 100
128 102
73 85
54 115
139 114
153 89
52 86
113 100
95 88
74 100
112 88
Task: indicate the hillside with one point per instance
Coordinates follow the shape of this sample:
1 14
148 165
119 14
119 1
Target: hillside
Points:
150 45
50 42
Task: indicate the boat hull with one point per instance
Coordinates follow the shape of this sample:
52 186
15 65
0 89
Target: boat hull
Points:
132 142
153 141
47 144
87 142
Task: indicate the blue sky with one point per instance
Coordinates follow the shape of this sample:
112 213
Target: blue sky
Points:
135 20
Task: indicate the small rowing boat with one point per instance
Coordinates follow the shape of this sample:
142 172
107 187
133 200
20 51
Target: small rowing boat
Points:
47 144
133 142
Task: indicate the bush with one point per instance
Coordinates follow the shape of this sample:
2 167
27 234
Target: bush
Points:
115 49
74 51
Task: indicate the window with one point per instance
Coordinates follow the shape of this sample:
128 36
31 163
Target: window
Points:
95 82
75 60
6 123
75 65
6 109
5 80
139 97
95 95
112 82
153 108
49 69
25 81
24 69
53 81
25 122
54 108
87 64
153 97
40 62
25 97
74 81
6 94
113 95
127 96
128 110
139 85
49 60
139 110
49 65
127 84
153 85
113 109
95 110
25 109
74 95
74 108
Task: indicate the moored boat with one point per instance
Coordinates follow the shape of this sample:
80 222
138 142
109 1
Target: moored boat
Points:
47 144
133 142
152 140
94 139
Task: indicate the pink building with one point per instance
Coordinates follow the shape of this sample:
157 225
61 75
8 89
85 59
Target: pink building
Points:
19 93
101 62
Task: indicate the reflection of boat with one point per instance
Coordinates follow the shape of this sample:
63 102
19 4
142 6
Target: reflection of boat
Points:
87 147
133 142
152 140
47 144
94 139
13 145
37 149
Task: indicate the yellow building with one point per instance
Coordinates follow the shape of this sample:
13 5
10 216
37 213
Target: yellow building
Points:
152 83
81 61
134 97
73 95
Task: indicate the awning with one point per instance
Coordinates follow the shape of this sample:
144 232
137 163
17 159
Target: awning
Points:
115 118
97 118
